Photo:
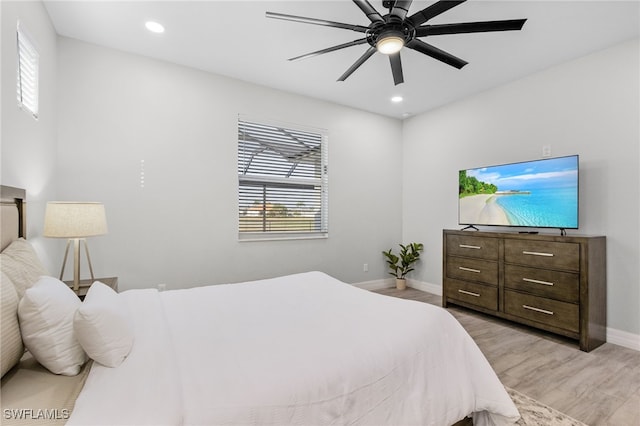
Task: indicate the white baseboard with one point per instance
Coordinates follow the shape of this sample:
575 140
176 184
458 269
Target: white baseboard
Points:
424 286
390 282
376 284
623 338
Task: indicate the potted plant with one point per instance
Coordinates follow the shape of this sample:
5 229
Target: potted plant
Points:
400 264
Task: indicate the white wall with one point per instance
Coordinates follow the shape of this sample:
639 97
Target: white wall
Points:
116 109
28 146
589 107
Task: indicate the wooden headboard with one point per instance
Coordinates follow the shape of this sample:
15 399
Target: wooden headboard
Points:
13 215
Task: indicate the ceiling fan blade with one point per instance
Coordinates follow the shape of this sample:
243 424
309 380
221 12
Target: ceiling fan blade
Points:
314 21
401 8
370 51
435 53
330 49
470 27
370 11
396 68
432 11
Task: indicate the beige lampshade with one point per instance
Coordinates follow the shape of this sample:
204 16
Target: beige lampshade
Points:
73 219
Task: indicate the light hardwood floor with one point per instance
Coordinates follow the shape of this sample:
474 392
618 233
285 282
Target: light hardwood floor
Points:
601 387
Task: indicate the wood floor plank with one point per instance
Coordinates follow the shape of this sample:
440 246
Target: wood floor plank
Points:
627 414
601 387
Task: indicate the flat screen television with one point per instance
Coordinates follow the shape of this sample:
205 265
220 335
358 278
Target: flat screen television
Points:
539 194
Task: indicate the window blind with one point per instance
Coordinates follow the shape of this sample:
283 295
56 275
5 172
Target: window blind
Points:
282 180
27 72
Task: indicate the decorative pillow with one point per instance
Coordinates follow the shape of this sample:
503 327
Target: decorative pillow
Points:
46 319
103 326
11 347
22 265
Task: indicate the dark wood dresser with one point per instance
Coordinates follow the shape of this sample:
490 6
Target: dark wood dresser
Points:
551 282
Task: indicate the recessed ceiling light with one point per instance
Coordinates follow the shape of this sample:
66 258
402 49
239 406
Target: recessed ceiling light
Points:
396 99
154 27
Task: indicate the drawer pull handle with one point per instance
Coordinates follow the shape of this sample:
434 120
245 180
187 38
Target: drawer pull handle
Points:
470 247
469 293
531 280
537 253
542 311
462 268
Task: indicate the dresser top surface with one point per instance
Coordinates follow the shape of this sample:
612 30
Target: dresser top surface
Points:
524 236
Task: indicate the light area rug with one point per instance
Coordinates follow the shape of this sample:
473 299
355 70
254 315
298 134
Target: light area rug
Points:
534 413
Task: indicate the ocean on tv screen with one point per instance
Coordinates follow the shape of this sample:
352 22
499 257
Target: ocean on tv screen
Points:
542 193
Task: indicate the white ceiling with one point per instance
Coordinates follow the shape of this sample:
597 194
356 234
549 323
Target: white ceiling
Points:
234 38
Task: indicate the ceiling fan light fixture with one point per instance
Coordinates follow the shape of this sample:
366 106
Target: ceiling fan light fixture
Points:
390 44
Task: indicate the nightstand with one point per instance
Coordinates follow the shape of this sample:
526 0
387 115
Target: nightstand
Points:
85 284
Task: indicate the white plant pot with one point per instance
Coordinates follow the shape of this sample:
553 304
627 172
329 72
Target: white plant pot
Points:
401 283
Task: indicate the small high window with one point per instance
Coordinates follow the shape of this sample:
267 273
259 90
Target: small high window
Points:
27 72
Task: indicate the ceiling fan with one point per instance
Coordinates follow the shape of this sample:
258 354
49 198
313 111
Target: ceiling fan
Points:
389 33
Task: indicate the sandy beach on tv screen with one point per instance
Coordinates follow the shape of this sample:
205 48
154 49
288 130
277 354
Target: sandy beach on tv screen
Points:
482 209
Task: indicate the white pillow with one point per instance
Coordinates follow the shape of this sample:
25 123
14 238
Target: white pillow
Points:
22 265
11 347
46 320
103 326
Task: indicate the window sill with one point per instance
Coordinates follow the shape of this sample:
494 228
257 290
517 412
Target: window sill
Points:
252 237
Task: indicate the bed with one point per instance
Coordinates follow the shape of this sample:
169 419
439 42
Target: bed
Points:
304 349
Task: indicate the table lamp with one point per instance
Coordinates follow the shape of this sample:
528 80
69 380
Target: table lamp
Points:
75 220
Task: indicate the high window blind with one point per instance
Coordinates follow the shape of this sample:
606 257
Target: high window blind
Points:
282 181
27 72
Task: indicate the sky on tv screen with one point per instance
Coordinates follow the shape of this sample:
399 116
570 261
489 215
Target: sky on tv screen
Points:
541 174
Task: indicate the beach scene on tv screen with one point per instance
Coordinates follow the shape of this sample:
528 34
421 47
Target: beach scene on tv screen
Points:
542 193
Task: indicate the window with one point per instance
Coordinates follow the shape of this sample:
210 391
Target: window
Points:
27 72
282 181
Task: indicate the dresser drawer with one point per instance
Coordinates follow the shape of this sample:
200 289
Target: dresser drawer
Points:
469 246
547 311
543 254
543 282
475 294
477 270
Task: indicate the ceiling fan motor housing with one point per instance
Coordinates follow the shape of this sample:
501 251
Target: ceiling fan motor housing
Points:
392 28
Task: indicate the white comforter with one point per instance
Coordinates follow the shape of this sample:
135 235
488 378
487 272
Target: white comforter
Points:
304 349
